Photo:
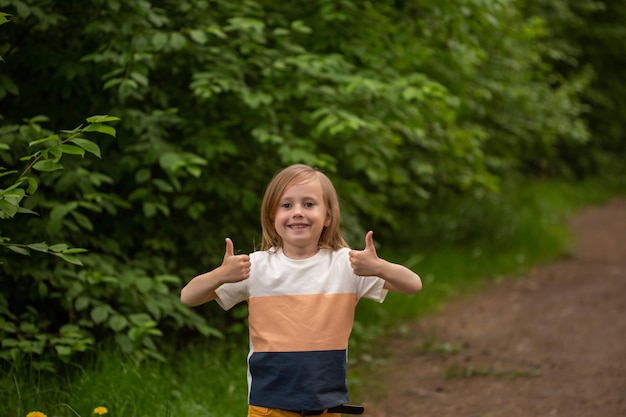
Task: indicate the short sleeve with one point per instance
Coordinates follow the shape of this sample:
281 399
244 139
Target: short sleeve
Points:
229 295
372 288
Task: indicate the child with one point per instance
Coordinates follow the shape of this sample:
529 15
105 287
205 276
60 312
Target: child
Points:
302 288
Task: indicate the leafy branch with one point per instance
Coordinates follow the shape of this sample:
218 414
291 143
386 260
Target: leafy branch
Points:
67 142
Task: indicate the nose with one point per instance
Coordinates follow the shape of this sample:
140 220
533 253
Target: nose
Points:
297 210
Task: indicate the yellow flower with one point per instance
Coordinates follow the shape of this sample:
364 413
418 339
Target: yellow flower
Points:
98 410
36 414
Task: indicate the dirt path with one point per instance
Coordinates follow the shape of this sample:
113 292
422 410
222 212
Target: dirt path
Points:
550 344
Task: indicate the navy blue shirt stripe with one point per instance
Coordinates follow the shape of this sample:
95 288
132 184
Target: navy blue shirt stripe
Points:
298 380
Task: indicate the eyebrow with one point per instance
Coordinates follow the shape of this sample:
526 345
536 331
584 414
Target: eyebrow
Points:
303 198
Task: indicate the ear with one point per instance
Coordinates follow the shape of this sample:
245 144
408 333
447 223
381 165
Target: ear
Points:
328 218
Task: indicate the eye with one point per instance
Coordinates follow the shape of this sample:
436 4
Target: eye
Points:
286 205
309 204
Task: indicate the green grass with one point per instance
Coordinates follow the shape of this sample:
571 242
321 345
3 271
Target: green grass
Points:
530 229
207 379
524 227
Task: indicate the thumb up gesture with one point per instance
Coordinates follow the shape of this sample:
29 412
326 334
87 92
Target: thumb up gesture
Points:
234 268
366 262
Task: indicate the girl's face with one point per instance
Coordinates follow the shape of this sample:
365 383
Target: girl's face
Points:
300 219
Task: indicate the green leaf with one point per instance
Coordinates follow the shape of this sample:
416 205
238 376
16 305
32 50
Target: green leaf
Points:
75 250
159 40
101 128
63 350
6 193
47 165
40 247
7 326
140 319
32 185
149 209
144 285
71 150
163 185
59 247
177 41
118 322
171 161
3 17
29 157
90 206
100 314
82 220
6 172
9 342
198 36
300 27
46 139
70 330
81 303
112 83
142 175
124 342
215 30
26 211
38 119
135 334
7 208
59 211
194 171
102 119
87 145
210 331
69 258
19 250
140 78
54 153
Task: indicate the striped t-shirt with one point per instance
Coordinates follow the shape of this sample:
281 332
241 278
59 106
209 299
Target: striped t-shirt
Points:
301 314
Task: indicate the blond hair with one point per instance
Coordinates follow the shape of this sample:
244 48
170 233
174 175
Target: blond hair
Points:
331 237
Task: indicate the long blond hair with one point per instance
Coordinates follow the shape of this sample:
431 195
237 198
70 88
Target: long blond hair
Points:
331 237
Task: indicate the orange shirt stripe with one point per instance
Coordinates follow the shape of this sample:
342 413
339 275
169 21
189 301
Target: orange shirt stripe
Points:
300 323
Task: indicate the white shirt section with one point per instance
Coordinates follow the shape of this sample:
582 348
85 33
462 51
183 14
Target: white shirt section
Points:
326 272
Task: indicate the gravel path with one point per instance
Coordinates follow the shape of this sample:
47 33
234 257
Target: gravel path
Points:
552 343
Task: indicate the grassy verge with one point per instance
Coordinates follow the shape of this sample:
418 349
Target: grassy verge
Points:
203 380
524 228
530 229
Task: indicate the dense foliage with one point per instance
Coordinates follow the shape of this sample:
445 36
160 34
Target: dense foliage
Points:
405 104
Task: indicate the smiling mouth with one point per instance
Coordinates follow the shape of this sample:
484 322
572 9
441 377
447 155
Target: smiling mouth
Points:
297 226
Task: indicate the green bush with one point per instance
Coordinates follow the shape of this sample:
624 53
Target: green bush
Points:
63 304
408 106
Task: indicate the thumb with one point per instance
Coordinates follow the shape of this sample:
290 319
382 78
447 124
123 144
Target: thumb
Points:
369 241
230 248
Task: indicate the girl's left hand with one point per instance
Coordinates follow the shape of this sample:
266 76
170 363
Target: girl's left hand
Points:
366 262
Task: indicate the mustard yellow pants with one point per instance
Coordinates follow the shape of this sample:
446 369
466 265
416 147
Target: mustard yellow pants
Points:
254 411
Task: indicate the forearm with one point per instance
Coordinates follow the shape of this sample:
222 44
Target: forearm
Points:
201 288
399 278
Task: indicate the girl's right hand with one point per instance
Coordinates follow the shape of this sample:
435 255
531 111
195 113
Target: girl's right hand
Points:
234 268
